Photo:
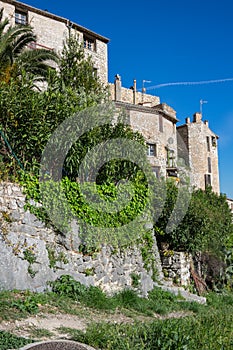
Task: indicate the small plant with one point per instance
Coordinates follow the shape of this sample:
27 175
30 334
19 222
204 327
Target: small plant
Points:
32 272
89 272
91 296
135 280
5 216
28 305
55 257
67 286
29 256
10 341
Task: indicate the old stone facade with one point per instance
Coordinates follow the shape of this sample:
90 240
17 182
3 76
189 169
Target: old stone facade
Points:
155 121
52 31
192 146
171 149
200 153
187 152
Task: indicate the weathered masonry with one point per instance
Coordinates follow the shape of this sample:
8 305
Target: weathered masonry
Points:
52 31
155 121
171 149
185 151
53 254
201 153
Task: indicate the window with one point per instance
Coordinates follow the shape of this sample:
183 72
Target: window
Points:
161 123
214 143
156 171
170 158
208 143
209 165
172 172
89 43
207 180
21 17
151 149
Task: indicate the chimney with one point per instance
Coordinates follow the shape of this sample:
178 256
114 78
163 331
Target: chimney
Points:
134 91
117 86
187 120
197 117
206 123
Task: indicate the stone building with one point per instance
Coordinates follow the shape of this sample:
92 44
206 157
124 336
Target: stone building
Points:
200 153
52 31
155 121
192 145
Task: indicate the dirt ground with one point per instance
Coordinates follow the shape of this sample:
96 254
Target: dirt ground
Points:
53 322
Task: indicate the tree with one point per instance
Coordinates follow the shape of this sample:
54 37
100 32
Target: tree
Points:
77 73
205 227
28 117
15 58
206 232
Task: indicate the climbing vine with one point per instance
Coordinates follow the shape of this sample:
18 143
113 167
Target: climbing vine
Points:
66 200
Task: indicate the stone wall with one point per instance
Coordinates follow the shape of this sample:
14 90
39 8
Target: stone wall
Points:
176 267
32 254
127 96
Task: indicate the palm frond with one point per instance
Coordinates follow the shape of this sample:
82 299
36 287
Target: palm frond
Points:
36 61
22 41
16 57
3 23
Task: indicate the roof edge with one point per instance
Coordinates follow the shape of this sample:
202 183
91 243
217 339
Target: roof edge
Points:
57 18
141 108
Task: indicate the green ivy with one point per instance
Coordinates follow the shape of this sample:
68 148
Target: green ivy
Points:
67 200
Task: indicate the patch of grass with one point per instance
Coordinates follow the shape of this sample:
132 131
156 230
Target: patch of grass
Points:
211 328
40 333
191 333
158 301
91 297
208 327
69 296
10 341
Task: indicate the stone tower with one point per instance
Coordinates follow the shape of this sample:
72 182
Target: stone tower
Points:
198 148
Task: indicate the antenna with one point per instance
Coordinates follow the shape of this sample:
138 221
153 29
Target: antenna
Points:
201 103
143 83
143 88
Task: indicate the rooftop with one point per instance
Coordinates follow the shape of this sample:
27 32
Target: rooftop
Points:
45 13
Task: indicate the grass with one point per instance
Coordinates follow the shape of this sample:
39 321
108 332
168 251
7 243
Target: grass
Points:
205 326
40 333
211 328
9 341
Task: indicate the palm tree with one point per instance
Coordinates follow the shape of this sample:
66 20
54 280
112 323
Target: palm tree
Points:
16 58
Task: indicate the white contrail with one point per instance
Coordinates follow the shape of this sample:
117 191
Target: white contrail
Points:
202 82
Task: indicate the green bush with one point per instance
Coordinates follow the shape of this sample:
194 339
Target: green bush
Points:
10 341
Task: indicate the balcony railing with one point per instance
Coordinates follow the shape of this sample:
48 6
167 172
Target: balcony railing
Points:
35 46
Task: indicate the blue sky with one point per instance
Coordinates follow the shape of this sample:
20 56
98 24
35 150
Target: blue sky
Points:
169 41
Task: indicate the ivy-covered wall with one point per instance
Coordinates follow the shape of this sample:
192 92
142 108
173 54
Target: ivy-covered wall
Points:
32 254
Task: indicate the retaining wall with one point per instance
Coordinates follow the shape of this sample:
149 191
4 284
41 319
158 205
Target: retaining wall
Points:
32 254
